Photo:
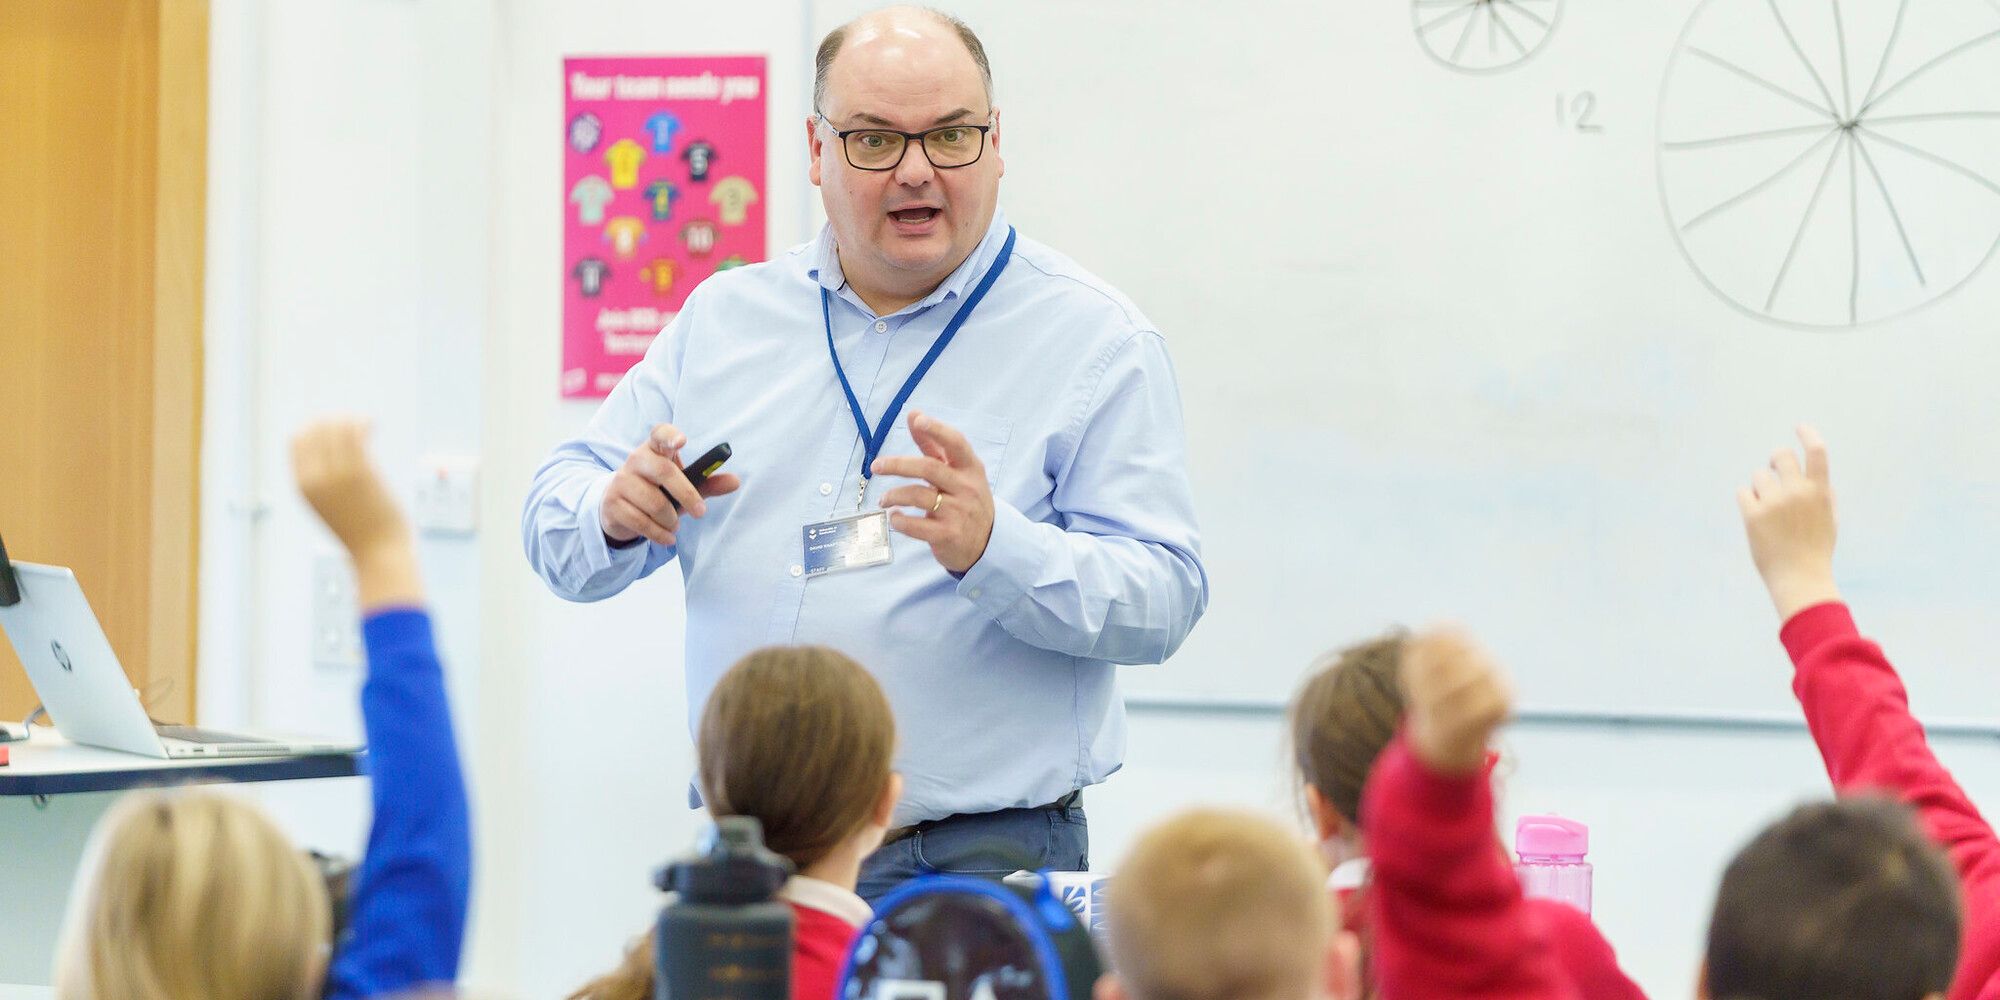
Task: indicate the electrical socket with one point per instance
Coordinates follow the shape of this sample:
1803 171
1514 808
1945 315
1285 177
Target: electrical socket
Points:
336 615
447 497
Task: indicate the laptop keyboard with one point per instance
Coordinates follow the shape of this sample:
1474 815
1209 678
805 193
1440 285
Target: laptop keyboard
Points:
191 734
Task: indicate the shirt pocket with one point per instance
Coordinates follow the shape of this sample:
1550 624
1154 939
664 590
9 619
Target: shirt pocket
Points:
988 433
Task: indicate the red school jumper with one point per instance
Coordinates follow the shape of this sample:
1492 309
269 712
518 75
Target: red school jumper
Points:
828 918
1860 717
1448 925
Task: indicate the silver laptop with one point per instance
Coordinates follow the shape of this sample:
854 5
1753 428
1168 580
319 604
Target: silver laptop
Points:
78 678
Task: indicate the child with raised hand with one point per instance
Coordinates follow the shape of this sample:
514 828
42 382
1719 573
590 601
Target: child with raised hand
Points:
1854 702
1837 901
802 739
197 894
1343 718
1445 910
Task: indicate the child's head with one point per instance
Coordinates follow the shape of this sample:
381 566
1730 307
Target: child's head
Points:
1839 899
1341 720
1217 905
800 737
193 893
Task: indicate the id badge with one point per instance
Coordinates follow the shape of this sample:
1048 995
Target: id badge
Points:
845 543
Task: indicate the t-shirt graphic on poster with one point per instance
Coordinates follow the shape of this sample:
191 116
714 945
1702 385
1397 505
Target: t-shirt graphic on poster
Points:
663 126
700 158
733 197
660 197
624 158
590 195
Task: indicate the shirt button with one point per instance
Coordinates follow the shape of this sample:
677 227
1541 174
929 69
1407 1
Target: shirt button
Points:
798 570
974 593
826 489
881 327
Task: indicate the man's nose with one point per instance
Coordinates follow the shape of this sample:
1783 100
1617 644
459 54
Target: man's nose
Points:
915 169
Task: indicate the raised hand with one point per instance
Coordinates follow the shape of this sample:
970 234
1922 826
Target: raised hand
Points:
1456 696
1788 513
330 463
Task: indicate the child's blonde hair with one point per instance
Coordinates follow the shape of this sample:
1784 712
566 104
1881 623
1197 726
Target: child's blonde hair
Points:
193 894
1219 905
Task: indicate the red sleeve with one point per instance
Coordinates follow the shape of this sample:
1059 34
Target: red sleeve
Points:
1445 911
1860 717
1582 953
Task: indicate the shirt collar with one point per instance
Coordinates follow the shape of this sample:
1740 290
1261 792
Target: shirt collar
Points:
826 264
1351 875
826 897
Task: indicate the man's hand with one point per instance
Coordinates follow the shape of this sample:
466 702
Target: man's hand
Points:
956 505
1789 516
1457 697
330 463
636 503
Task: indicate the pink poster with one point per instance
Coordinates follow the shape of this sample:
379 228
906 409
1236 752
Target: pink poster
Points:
663 185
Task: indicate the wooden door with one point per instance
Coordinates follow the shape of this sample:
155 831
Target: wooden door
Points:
103 144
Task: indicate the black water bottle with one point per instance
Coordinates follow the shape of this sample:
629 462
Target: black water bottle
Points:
725 935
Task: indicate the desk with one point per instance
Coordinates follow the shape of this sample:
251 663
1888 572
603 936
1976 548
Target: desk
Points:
52 794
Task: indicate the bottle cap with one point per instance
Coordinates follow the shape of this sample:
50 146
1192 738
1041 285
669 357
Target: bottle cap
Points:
730 865
1551 838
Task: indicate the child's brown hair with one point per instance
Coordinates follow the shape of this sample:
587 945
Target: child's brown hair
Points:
802 739
1839 899
1344 717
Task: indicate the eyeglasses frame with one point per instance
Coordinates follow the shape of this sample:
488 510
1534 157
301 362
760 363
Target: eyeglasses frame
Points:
909 138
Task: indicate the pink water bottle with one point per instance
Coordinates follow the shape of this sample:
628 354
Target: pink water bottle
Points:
1551 850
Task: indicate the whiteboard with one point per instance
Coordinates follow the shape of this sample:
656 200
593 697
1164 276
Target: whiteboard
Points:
1487 318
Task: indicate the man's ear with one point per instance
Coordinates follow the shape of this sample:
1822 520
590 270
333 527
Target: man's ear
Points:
814 147
1108 988
996 140
885 807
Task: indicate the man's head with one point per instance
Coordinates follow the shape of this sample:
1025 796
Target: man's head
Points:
1839 899
902 230
1218 905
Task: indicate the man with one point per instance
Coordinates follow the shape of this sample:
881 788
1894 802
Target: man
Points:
1017 415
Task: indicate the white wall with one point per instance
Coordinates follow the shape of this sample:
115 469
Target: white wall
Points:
348 270
385 238
573 826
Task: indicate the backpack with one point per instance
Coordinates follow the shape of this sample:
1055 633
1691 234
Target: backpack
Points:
957 937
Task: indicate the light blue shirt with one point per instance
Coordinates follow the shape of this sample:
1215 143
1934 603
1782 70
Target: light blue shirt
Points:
1002 682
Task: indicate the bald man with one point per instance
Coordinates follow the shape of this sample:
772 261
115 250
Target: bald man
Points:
958 457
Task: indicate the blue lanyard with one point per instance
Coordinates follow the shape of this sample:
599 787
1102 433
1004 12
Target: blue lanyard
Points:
872 443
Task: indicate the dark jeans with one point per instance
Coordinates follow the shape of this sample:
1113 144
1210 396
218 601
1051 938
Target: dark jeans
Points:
1046 837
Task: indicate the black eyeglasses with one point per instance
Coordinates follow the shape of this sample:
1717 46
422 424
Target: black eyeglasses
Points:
946 146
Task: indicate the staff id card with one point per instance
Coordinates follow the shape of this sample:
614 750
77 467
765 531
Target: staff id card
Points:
845 543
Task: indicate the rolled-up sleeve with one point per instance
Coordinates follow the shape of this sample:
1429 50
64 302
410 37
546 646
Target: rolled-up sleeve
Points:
1116 573
561 527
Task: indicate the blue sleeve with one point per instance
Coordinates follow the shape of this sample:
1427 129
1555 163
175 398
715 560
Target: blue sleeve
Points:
407 914
560 528
1121 579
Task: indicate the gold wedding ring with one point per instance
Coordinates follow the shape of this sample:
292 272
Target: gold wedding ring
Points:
939 502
